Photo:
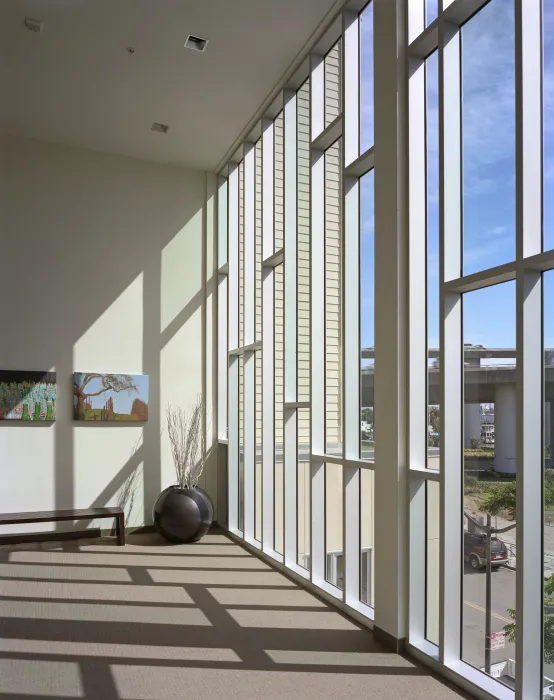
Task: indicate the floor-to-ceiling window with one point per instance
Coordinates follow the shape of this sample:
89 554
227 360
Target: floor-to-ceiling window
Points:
306 282
301 192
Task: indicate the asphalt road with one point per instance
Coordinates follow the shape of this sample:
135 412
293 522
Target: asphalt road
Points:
503 597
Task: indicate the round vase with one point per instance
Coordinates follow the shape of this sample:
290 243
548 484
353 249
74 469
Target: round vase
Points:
183 515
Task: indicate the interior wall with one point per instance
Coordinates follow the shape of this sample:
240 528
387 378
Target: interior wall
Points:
106 267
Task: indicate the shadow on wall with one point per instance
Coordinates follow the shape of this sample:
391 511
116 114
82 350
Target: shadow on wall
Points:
103 269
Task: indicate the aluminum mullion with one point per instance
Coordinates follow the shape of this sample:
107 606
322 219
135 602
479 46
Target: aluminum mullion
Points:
233 341
451 358
529 352
290 451
351 81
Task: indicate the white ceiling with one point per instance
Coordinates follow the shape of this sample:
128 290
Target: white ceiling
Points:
75 84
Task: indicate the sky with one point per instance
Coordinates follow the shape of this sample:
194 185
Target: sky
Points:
488 152
123 400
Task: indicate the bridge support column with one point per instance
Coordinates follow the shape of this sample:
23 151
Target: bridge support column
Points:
472 423
505 428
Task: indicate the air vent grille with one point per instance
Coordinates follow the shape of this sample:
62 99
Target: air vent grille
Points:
161 128
196 43
33 25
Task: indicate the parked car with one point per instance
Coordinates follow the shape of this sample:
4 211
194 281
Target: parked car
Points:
475 551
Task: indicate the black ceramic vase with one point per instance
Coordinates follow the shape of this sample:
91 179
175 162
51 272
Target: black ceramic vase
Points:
183 515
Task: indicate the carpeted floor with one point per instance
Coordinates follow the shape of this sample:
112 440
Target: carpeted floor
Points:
151 621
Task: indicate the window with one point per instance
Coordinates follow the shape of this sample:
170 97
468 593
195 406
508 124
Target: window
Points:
367 324
489 379
488 137
366 78
333 297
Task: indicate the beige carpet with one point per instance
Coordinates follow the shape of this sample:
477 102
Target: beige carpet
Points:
150 621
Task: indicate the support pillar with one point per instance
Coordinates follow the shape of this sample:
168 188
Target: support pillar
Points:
505 428
472 423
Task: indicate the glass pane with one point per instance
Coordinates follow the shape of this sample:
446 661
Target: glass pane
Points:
258 236
333 301
303 487
241 444
433 318
489 329
258 462
279 398
548 536
548 121
278 136
334 572
431 11
333 92
366 78
367 308
488 144
241 254
303 131
367 541
432 501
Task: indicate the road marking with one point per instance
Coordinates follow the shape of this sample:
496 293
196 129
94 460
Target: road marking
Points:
478 607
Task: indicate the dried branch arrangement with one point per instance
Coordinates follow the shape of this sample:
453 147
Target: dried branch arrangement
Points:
188 443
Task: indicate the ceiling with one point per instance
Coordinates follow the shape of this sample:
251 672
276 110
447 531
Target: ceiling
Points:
75 83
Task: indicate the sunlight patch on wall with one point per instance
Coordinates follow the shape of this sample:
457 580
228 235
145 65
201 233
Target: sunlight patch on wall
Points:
108 470
180 381
181 270
113 343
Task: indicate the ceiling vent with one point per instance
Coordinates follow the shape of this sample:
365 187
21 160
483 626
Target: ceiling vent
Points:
33 25
196 43
161 128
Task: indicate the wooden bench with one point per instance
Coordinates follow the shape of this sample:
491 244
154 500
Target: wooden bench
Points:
56 516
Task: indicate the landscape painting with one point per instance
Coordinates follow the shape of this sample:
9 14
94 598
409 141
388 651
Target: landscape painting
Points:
110 397
27 396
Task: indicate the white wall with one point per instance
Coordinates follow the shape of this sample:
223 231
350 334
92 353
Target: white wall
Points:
101 271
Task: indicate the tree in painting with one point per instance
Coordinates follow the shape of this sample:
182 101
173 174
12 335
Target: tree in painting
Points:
108 382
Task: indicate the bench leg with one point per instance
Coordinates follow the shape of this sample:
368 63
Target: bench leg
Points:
120 530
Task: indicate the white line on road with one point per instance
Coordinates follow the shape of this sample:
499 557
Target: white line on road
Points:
478 607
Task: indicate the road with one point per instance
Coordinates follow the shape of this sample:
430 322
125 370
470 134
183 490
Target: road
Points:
503 597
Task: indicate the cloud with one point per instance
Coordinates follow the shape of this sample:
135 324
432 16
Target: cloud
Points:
488 99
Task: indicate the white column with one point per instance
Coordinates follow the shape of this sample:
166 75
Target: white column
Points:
472 423
505 406
391 531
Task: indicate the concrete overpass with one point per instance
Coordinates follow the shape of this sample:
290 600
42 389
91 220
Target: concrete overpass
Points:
484 382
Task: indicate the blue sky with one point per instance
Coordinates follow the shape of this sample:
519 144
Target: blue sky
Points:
488 118
123 401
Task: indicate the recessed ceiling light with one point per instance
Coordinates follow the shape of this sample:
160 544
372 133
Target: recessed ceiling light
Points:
161 128
196 43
